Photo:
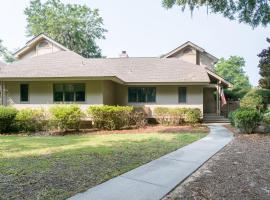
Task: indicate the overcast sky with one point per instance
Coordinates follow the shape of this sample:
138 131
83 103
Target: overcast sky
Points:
145 28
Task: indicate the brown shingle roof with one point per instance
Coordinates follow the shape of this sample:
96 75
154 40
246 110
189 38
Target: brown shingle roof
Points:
129 70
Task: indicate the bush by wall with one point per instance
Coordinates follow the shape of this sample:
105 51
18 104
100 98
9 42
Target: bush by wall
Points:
110 117
176 116
246 119
138 117
193 116
7 116
66 117
31 120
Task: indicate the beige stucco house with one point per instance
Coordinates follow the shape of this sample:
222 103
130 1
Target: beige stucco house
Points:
47 73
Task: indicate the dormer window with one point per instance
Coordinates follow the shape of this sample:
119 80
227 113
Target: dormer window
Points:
44 44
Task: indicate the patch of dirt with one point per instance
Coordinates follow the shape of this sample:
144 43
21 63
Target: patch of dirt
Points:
239 171
147 129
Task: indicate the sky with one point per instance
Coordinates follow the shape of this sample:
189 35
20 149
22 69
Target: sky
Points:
145 28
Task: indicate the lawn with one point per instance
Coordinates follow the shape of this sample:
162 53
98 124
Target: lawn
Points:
57 167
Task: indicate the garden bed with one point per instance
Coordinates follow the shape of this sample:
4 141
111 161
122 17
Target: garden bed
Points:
57 167
239 171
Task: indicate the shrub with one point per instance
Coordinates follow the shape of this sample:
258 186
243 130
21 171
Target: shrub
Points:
231 118
266 118
30 120
138 117
246 119
254 101
7 116
193 116
66 117
111 117
176 116
264 97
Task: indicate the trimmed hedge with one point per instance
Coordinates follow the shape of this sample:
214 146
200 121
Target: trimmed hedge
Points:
66 117
176 116
7 116
110 117
246 119
31 120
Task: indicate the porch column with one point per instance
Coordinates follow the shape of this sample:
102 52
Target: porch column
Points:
218 99
2 93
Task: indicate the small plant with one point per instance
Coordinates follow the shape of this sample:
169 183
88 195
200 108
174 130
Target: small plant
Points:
31 120
231 118
193 116
246 119
66 117
111 117
7 116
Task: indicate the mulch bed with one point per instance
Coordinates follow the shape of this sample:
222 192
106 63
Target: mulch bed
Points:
147 129
240 171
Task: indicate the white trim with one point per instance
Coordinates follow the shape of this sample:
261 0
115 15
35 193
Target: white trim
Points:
219 77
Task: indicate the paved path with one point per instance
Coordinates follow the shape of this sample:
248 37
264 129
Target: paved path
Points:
155 179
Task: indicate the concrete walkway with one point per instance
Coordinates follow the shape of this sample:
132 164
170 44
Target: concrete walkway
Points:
155 179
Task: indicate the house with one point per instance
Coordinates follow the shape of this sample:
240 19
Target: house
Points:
47 73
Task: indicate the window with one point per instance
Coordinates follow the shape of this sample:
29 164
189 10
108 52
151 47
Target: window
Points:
24 93
182 95
43 44
142 94
69 92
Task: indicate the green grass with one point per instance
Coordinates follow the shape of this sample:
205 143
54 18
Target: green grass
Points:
58 167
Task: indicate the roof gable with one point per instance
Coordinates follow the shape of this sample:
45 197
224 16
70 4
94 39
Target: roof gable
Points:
189 44
34 42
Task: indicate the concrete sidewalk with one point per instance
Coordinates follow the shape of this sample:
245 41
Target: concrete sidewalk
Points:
155 179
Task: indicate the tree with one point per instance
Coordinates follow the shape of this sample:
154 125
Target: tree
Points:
264 66
75 26
232 70
252 12
5 54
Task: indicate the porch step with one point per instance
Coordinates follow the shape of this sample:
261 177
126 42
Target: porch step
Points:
213 118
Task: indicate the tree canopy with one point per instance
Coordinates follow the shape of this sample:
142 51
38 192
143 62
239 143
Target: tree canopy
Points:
75 26
264 66
232 70
252 12
5 54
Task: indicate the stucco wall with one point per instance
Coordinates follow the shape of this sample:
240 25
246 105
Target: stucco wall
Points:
41 93
103 92
166 96
109 93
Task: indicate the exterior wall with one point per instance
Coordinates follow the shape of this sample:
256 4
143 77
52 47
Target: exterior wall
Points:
189 56
37 51
41 94
206 61
166 96
109 93
103 93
